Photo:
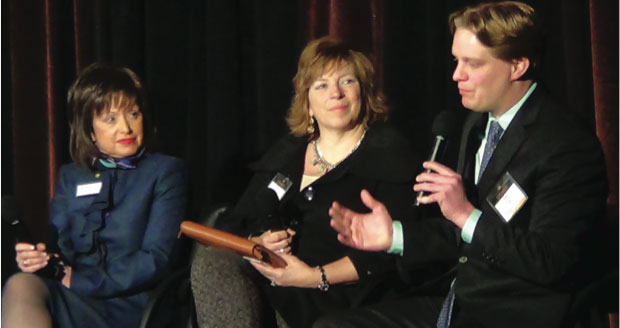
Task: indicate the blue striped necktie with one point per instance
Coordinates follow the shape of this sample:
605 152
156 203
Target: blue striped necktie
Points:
446 309
495 132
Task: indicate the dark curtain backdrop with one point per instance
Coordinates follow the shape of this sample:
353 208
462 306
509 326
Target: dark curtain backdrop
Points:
219 72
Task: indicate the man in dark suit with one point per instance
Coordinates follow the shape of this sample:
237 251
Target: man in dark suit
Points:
529 186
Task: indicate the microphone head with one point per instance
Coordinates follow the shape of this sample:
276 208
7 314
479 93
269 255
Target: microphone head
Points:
12 216
11 211
444 124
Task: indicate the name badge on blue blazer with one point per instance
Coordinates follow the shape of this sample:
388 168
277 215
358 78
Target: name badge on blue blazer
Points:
88 189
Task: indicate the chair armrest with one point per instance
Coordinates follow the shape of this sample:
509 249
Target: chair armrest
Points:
171 303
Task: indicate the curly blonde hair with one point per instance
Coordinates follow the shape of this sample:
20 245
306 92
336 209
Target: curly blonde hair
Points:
323 55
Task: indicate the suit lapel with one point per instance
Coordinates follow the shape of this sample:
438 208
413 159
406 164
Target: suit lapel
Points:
509 144
506 148
473 132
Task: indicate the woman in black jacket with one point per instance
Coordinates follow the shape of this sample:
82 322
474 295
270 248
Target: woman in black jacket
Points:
338 146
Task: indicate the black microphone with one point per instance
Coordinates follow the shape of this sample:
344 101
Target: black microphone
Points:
267 203
444 127
13 231
11 218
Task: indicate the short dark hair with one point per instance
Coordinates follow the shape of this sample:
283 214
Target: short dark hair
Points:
96 88
317 58
510 28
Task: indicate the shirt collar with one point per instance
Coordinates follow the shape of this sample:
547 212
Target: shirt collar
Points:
503 121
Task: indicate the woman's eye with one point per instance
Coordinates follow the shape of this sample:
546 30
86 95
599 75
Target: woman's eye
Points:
320 86
135 114
349 81
109 119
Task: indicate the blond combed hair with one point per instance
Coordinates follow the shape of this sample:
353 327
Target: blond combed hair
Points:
509 28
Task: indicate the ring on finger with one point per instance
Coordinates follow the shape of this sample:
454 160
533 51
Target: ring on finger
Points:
281 250
25 262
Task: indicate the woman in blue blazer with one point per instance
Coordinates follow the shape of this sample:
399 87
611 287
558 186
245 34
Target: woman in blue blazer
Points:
114 216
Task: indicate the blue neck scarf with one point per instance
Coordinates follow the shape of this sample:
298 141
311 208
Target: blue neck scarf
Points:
126 163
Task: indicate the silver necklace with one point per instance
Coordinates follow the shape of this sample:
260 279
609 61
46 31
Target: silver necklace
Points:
325 166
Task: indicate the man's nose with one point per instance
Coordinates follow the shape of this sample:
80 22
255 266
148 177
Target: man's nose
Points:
458 74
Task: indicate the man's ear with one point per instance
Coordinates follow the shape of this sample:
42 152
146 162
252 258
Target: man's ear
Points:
519 67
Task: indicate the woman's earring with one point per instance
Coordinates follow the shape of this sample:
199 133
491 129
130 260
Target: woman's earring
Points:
310 128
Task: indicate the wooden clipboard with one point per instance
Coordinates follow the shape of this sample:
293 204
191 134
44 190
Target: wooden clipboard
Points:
221 239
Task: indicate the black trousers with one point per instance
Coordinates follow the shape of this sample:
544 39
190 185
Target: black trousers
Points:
414 312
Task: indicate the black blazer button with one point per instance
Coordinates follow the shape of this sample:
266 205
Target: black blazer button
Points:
463 259
309 194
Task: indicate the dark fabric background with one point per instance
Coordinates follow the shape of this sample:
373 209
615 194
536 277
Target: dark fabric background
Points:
219 72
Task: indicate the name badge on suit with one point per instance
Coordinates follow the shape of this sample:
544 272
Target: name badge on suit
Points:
507 197
88 189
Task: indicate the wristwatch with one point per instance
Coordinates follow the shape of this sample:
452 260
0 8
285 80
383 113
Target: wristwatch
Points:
324 284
